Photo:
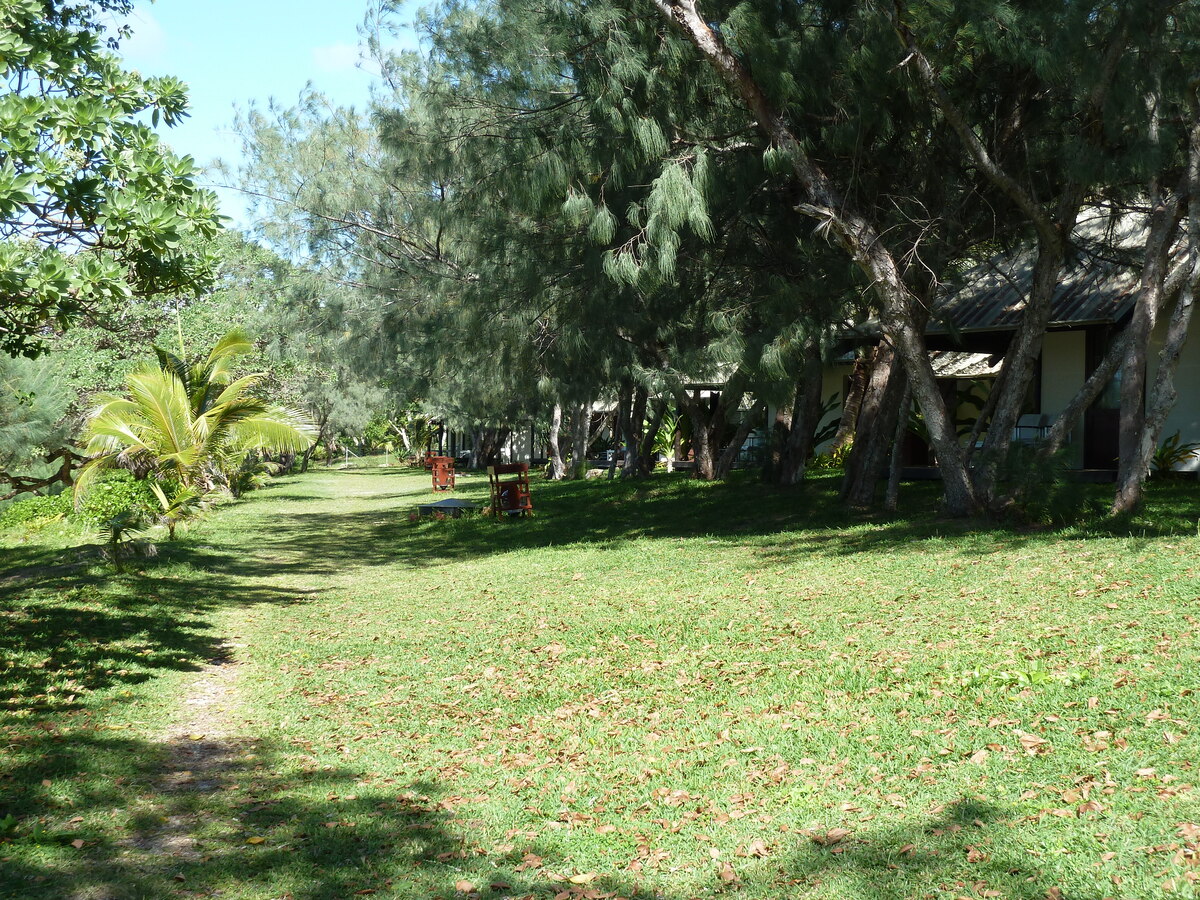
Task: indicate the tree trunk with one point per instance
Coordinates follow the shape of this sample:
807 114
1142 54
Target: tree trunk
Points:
650 435
1020 364
891 497
798 444
557 469
581 425
1129 493
404 439
864 361
1139 436
702 454
875 429
708 424
728 457
862 242
488 443
617 429
1057 436
1133 458
634 428
1053 231
28 484
700 420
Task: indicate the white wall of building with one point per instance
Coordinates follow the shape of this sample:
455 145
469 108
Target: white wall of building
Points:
518 447
1064 368
1185 416
833 381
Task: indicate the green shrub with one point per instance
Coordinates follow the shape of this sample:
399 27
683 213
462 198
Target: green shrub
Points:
35 510
833 461
1173 452
115 495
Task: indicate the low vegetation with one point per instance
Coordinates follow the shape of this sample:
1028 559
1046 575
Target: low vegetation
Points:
663 688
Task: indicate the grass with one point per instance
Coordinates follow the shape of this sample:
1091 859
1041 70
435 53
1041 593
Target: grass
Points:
666 689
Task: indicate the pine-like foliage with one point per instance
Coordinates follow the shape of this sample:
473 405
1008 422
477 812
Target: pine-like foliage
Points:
560 197
32 409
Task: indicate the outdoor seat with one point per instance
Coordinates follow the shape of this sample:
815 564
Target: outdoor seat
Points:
510 489
442 470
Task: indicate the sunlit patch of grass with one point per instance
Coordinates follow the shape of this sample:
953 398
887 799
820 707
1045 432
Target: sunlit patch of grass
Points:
665 689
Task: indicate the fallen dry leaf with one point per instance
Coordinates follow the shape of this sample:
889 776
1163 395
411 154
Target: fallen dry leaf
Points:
1033 744
756 849
830 837
530 861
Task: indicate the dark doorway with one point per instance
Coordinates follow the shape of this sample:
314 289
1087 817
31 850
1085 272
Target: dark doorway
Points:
1101 423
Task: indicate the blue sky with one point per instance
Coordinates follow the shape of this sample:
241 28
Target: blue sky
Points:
234 52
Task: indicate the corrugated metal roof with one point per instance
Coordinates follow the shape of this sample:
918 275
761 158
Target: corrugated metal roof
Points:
950 363
992 295
959 364
994 299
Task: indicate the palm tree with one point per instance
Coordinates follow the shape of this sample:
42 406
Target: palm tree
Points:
188 426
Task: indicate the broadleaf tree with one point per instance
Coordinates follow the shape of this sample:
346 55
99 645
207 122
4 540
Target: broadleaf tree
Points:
93 206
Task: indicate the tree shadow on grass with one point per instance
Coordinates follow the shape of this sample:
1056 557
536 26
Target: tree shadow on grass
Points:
775 524
64 637
101 818
967 849
24 566
569 513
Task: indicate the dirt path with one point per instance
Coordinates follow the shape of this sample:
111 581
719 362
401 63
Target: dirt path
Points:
202 751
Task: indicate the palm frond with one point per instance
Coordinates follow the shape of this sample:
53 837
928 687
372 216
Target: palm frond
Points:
235 389
169 362
89 472
235 342
165 406
276 429
192 424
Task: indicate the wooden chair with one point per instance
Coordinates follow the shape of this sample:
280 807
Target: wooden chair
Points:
510 489
442 470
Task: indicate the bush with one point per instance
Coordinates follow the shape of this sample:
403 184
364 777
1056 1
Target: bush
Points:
1173 452
35 510
116 495
834 461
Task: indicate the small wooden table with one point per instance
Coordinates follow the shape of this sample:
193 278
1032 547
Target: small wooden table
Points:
450 506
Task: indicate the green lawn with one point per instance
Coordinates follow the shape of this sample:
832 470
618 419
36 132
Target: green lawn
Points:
667 689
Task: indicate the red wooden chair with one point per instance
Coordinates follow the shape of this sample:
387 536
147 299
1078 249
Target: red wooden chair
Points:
442 469
510 489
